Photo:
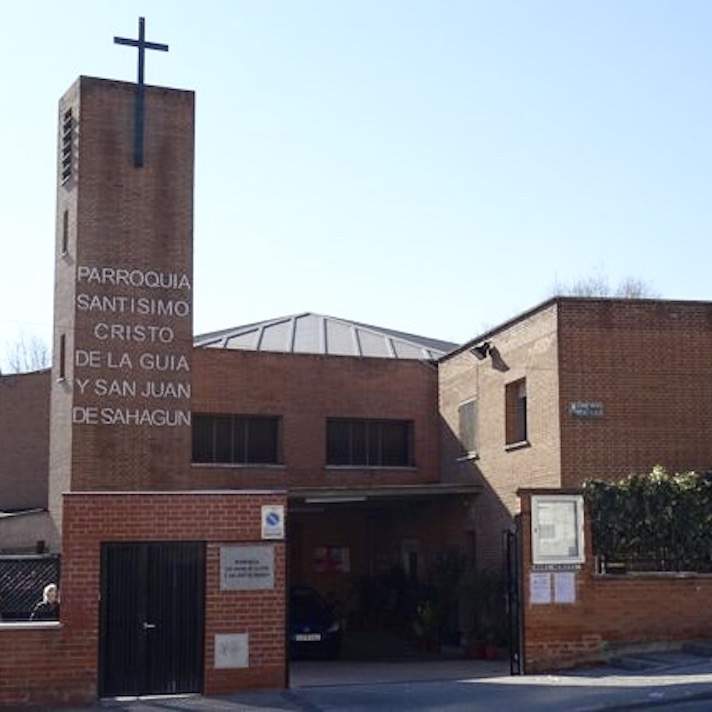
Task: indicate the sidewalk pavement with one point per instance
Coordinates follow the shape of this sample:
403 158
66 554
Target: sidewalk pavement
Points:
658 681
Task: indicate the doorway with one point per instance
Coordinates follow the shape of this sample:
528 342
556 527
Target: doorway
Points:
152 613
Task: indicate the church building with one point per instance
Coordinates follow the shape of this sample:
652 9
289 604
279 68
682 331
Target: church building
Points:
210 473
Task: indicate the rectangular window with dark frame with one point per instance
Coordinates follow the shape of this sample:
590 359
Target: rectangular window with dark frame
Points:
467 422
236 439
516 412
369 443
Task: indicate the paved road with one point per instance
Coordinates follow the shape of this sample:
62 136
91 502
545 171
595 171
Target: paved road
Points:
674 682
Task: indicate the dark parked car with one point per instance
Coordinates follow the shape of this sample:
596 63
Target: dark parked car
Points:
314 630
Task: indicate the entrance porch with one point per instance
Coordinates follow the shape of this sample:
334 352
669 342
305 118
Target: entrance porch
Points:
388 562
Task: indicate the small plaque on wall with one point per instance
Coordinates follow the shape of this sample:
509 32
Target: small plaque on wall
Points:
246 568
232 650
539 588
565 587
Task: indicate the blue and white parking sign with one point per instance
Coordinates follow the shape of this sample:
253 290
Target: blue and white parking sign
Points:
273 521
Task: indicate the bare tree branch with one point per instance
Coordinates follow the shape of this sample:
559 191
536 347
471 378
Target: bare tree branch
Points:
28 353
599 286
633 288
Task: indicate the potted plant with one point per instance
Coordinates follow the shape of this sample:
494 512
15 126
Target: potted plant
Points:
483 594
426 625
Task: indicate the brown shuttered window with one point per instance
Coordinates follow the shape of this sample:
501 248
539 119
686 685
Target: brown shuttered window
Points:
516 411
369 443
236 439
467 421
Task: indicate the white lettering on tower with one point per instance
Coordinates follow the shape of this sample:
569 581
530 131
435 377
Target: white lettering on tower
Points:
132 309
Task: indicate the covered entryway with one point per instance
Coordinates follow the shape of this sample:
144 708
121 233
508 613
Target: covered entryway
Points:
152 609
390 562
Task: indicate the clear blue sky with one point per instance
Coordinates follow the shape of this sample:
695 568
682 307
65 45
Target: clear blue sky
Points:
428 166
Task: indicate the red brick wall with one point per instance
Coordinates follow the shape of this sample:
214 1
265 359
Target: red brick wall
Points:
525 349
648 363
611 612
60 665
305 390
65 266
24 440
261 614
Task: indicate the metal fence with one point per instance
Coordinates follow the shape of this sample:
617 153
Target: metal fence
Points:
22 580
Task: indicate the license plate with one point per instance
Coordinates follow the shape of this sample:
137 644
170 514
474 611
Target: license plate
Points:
302 637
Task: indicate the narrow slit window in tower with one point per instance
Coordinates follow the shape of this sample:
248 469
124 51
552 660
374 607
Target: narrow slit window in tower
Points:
62 356
65 232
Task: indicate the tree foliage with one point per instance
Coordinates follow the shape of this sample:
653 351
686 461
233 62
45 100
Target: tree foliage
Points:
658 521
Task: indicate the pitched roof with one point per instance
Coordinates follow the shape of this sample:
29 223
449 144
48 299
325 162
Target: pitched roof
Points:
309 333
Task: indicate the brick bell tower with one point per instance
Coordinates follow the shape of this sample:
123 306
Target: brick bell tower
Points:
123 301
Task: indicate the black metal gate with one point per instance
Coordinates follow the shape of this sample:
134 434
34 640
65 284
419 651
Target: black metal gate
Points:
152 609
514 609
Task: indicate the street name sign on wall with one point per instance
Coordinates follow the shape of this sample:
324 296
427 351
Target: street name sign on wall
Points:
586 409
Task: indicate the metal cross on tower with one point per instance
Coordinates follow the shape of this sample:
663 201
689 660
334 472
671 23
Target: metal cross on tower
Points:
139 105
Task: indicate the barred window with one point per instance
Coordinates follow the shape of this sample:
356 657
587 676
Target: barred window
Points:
236 439
369 443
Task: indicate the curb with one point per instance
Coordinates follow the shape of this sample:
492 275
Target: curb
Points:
648 703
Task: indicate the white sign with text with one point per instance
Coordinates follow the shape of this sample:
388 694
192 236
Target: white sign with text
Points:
246 567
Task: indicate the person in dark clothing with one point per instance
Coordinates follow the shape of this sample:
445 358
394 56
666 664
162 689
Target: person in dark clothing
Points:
48 608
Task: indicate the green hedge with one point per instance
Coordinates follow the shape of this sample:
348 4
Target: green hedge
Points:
657 521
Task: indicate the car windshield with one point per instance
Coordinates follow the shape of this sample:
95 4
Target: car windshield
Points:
307 606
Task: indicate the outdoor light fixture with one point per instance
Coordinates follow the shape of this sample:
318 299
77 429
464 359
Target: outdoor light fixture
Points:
480 352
